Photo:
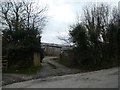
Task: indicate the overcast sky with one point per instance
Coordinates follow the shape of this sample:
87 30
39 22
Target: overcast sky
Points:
62 14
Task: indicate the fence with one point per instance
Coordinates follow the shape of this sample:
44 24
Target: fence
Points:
4 63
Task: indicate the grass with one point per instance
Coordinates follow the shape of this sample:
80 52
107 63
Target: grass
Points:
27 71
52 65
64 61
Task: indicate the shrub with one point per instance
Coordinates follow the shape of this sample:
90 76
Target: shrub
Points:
22 56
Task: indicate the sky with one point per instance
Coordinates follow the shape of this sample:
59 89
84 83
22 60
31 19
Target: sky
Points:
63 13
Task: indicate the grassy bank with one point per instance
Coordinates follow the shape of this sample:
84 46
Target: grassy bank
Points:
26 71
66 62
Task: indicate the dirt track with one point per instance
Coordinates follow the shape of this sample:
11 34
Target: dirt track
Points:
46 71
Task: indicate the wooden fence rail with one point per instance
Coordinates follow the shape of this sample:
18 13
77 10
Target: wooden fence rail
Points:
4 63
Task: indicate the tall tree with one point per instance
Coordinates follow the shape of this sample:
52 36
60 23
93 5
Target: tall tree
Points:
96 38
21 25
113 34
96 20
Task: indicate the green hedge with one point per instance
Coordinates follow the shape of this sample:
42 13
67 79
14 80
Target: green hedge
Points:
88 62
22 56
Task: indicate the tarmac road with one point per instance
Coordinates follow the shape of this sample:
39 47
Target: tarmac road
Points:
107 78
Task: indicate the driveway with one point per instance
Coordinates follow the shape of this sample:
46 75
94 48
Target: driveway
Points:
107 78
47 70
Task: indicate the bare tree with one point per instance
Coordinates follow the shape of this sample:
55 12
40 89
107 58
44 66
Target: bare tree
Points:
96 20
34 17
5 17
21 16
66 40
22 11
115 16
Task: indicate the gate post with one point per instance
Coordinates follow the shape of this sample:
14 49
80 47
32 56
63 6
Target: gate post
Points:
36 59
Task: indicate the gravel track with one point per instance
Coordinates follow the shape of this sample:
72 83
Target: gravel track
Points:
46 71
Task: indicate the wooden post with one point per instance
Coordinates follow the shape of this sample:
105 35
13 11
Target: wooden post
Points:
37 59
4 64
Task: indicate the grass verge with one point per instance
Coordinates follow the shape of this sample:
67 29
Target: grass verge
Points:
27 71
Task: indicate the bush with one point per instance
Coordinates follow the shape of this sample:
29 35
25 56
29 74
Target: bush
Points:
86 60
68 58
42 54
22 56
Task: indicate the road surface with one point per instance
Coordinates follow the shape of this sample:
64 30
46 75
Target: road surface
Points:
107 78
